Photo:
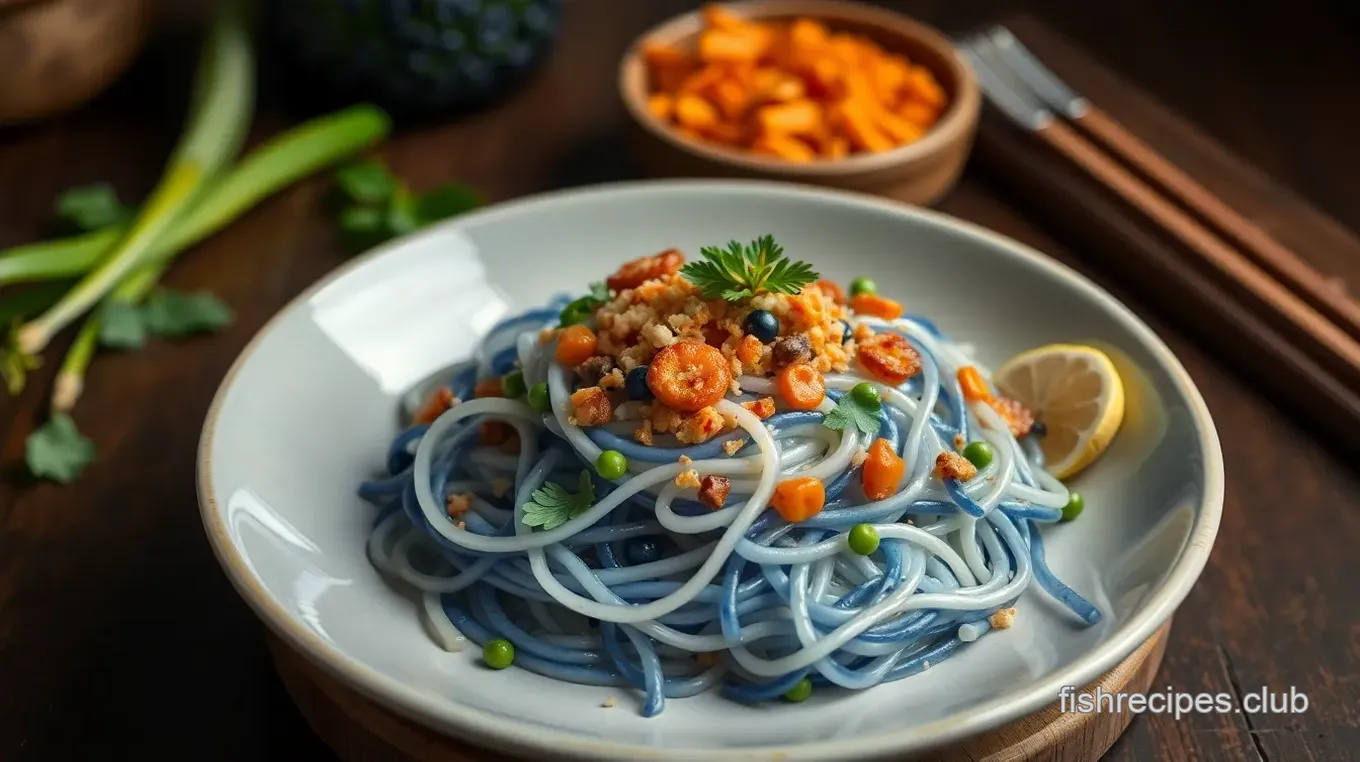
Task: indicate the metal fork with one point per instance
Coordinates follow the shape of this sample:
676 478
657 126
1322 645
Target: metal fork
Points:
1029 94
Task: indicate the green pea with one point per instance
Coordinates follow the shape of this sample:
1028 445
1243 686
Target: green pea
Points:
862 285
513 384
578 311
866 395
800 691
538 397
979 453
863 539
498 653
611 464
1075 505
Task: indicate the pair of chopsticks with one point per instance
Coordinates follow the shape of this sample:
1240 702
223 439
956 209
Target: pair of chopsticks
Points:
1313 310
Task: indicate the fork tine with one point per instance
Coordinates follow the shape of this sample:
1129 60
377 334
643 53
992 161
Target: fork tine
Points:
1036 76
1014 104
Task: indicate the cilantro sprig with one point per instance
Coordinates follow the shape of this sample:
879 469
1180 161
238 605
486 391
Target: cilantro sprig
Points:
580 310
742 271
58 451
858 409
551 506
91 207
165 313
380 207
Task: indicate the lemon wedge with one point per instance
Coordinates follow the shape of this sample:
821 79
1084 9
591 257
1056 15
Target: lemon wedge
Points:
1076 392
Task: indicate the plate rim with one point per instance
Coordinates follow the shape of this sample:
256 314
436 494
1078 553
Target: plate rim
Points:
480 727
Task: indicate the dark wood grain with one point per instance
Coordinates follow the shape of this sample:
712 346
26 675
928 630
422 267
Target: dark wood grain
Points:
118 633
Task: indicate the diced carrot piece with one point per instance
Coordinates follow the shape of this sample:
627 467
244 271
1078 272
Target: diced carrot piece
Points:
919 113
488 387
801 386
720 45
435 406
807 36
860 128
748 351
688 376
576 345
876 306
799 499
801 117
888 357
667 66
695 112
661 106
718 17
731 98
925 88
899 129
882 471
837 148
702 81
832 290
973 384
727 132
784 147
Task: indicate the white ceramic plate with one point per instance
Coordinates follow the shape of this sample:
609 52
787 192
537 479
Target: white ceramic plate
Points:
308 410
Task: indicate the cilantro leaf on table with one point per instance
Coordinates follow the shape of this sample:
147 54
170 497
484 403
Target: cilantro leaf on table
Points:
58 451
166 313
551 505
91 207
851 413
742 271
380 207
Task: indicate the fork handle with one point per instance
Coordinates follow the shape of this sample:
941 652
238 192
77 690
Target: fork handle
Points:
1325 295
1329 343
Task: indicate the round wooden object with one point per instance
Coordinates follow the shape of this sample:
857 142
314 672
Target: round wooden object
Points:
361 731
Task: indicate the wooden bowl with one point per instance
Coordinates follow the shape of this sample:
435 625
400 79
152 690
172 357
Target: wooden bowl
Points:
917 173
57 54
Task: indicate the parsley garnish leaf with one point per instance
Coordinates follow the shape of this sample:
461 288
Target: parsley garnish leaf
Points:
848 413
91 207
367 182
380 207
599 292
176 313
551 506
121 326
58 451
740 272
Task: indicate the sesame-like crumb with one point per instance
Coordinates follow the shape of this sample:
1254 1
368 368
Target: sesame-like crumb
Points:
458 504
959 442
612 380
951 465
685 460
592 407
733 446
925 665
858 457
688 478
1003 619
643 433
608 703
461 525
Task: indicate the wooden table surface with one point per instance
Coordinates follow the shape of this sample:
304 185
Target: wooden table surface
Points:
118 632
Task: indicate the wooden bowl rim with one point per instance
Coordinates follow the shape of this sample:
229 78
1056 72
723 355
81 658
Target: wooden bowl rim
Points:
956 122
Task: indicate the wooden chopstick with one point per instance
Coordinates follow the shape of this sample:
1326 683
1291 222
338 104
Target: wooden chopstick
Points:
1284 264
1331 345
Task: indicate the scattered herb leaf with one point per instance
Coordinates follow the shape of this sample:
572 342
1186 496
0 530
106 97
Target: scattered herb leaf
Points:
58 451
739 272
599 291
848 412
176 313
367 182
121 326
91 207
552 506
381 207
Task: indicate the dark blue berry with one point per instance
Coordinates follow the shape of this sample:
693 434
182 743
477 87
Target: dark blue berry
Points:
635 384
763 325
846 333
1038 429
642 551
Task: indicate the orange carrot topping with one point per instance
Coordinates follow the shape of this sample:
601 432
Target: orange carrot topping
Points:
576 345
876 306
638 271
801 386
440 401
689 376
795 89
488 387
882 471
799 498
889 357
973 385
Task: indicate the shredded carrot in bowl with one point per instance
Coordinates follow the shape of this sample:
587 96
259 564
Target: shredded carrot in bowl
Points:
795 90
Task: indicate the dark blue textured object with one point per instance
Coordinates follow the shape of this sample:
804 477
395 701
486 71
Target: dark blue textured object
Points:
635 384
763 325
414 56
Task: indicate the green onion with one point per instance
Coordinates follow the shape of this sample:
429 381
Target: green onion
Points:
273 166
224 94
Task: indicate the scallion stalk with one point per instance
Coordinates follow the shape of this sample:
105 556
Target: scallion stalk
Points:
224 97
